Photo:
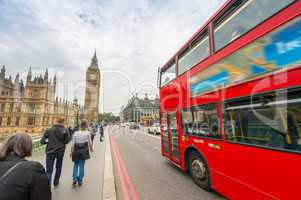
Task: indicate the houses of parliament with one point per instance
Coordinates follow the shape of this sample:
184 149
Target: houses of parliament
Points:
32 106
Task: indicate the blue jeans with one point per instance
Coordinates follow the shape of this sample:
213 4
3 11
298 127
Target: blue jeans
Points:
50 159
79 170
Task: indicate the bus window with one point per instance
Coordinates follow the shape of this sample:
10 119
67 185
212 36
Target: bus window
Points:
168 75
201 121
175 151
273 123
199 50
243 16
293 126
187 121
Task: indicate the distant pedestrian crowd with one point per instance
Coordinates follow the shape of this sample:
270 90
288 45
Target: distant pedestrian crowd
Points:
21 179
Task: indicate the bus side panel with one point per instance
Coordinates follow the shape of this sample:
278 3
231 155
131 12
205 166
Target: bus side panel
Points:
260 172
272 173
231 188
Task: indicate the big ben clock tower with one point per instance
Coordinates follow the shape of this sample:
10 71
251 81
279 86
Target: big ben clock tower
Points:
91 109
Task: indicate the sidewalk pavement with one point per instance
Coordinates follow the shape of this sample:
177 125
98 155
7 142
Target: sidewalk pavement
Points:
94 175
109 188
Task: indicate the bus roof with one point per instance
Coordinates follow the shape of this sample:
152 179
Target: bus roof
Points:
212 18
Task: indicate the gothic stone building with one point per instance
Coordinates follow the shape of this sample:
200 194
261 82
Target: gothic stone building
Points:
92 93
32 107
141 110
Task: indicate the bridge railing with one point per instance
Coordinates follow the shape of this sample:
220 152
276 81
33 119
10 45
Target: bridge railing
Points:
36 145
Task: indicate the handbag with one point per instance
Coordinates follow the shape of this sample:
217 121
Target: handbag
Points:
80 152
9 171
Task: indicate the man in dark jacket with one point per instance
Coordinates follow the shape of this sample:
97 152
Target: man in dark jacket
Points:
56 139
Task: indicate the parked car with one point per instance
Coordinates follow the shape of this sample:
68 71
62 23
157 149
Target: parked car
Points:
154 129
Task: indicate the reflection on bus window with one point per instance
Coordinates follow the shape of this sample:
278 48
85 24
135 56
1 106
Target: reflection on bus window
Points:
173 121
199 51
201 121
247 15
168 75
165 133
275 124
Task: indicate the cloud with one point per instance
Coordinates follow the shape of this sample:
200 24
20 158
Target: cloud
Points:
132 38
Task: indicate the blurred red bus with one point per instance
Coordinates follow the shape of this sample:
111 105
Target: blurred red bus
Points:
230 101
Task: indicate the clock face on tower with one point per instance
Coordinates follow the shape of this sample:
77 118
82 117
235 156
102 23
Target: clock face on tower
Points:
92 77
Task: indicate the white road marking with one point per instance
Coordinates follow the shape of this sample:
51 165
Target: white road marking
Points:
153 136
157 148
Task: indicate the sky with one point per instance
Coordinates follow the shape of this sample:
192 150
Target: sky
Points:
132 39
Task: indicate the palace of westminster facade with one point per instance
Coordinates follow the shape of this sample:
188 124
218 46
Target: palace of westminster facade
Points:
33 106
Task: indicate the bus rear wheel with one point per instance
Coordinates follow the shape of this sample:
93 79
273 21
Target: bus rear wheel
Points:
199 170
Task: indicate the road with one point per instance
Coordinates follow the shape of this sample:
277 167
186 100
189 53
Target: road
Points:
93 181
142 173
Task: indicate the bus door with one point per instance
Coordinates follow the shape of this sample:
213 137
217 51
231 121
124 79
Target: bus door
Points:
173 138
165 135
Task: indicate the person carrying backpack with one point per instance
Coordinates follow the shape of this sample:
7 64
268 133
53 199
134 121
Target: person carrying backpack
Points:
81 144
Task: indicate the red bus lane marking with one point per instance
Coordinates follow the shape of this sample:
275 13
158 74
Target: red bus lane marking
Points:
124 173
119 170
128 178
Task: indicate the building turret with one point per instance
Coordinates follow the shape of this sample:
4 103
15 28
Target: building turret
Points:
46 76
40 79
10 80
146 97
17 78
16 92
54 80
29 76
2 73
21 88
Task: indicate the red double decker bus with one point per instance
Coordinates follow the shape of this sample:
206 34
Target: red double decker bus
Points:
230 101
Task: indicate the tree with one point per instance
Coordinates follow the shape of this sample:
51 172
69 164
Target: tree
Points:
107 118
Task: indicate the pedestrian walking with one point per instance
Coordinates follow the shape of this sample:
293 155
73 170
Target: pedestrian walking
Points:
56 139
93 131
81 144
21 179
71 130
101 132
